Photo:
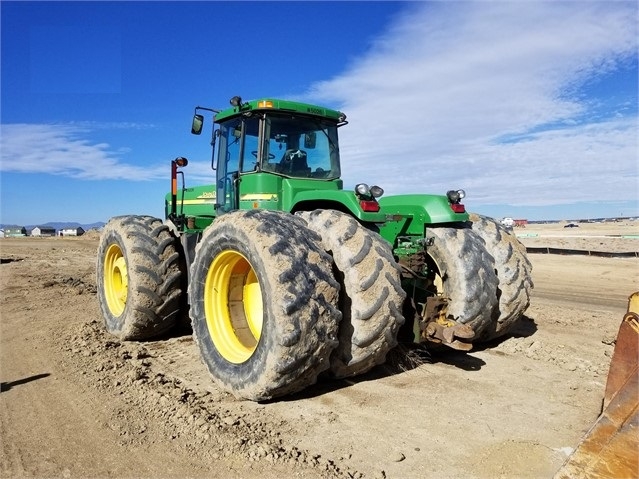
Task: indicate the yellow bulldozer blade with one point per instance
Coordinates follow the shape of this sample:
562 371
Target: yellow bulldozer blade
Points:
611 448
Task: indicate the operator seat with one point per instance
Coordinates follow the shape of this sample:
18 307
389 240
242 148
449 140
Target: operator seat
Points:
294 163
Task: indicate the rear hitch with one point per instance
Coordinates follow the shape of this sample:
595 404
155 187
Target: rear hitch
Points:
436 328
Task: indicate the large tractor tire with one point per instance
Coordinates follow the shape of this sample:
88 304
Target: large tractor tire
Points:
263 304
372 294
141 277
465 274
513 271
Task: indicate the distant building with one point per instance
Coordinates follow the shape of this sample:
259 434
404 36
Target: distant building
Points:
43 231
79 231
520 223
11 231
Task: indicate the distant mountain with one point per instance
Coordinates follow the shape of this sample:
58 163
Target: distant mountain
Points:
60 225
92 226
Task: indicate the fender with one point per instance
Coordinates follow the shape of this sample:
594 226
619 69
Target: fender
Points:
409 215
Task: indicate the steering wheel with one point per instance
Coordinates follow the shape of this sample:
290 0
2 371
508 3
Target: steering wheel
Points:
270 155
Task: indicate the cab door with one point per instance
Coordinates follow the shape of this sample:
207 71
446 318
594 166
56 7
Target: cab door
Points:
228 165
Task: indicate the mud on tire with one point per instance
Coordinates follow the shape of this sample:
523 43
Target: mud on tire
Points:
263 304
140 277
372 294
513 271
467 273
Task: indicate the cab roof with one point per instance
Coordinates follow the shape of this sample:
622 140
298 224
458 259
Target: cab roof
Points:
274 104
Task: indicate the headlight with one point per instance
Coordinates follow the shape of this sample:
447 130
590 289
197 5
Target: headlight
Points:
362 189
455 196
377 191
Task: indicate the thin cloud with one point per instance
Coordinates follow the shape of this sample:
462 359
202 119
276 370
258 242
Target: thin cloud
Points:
63 149
485 96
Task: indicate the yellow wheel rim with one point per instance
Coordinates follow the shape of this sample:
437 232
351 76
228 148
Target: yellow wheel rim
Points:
116 280
233 306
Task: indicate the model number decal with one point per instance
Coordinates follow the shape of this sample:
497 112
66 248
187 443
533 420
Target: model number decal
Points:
207 194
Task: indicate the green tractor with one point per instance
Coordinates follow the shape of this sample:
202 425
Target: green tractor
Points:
285 275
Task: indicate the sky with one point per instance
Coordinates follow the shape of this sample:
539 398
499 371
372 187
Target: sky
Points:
529 106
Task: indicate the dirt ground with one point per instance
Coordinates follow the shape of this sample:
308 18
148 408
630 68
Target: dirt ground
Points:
77 403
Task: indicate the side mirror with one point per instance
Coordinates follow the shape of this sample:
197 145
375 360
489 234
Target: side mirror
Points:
196 125
309 140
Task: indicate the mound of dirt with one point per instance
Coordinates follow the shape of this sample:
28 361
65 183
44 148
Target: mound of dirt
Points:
92 234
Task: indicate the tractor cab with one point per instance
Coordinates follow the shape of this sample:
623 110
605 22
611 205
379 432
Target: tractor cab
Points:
269 154
265 147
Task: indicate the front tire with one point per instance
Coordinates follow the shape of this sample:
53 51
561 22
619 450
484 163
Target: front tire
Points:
263 304
372 294
140 277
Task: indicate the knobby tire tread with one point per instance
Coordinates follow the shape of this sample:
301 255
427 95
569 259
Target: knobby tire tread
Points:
513 269
156 277
468 275
300 297
372 293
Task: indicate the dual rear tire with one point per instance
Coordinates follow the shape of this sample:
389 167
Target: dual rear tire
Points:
275 303
513 270
485 274
464 274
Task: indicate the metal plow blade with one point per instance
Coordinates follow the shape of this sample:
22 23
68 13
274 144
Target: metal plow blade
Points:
611 448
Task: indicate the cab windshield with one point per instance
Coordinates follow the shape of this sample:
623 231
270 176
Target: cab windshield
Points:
300 147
